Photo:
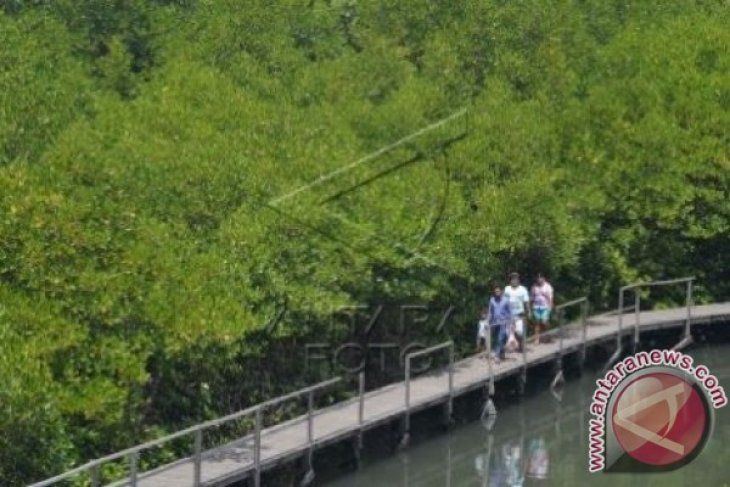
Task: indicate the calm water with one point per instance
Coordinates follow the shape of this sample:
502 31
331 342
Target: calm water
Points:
542 441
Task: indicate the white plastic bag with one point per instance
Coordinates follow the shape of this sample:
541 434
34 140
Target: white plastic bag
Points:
512 343
483 329
519 327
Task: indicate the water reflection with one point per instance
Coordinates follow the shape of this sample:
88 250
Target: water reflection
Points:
538 463
511 449
515 458
538 441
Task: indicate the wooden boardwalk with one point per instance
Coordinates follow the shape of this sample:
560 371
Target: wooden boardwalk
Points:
288 441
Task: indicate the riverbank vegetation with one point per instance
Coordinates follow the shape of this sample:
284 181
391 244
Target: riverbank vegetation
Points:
184 201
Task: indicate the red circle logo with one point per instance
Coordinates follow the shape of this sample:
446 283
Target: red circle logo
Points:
660 419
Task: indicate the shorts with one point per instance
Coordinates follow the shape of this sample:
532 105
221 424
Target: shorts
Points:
541 314
482 341
518 325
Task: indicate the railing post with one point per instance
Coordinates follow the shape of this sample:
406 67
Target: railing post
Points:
451 379
257 450
197 457
407 419
585 329
687 328
524 355
490 392
561 319
310 418
360 412
637 312
559 362
133 465
361 393
310 438
620 317
95 476
619 347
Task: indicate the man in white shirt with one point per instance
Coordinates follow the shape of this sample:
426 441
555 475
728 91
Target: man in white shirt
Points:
519 303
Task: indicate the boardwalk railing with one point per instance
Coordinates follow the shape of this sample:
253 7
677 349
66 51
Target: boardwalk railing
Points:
93 468
197 432
636 288
560 316
420 353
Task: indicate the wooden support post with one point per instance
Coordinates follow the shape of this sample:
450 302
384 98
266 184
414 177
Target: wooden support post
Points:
95 475
309 476
561 332
584 319
361 404
489 409
523 374
257 449
620 317
619 347
559 362
133 465
360 410
637 313
357 450
310 419
405 439
688 324
450 407
197 457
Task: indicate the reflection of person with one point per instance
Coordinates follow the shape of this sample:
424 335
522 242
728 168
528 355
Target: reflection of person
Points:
542 304
512 455
538 464
481 464
497 472
519 303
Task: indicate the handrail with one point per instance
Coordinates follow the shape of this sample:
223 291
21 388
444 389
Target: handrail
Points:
571 303
637 301
659 283
132 454
637 311
426 351
448 344
132 451
560 312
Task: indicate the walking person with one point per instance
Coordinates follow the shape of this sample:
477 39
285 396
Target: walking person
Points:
519 304
482 331
498 316
542 304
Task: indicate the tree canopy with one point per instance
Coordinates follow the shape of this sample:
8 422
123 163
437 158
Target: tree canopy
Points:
173 173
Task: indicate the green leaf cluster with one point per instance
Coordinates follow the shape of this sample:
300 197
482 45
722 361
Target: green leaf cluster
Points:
191 190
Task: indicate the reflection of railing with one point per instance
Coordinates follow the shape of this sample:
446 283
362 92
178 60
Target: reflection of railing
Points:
533 425
636 288
426 351
93 468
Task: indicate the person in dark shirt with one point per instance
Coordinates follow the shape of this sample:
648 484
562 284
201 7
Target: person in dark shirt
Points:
498 316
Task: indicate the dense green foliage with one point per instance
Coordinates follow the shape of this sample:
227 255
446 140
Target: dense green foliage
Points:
142 144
